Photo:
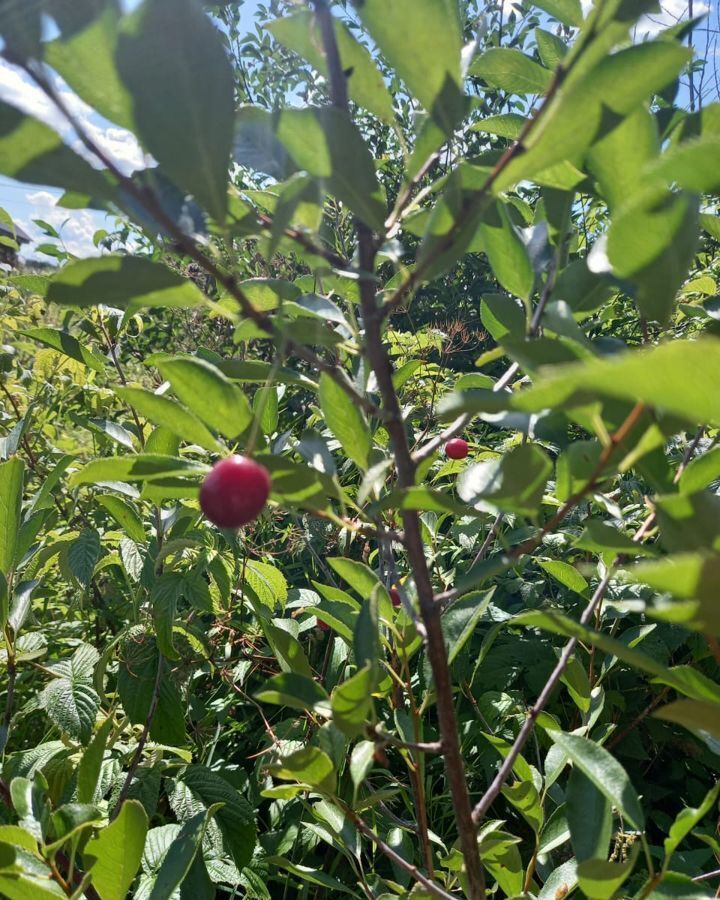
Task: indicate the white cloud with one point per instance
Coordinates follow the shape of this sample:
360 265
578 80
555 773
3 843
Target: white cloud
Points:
118 143
76 226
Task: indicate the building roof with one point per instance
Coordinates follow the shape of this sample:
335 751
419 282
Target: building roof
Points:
20 236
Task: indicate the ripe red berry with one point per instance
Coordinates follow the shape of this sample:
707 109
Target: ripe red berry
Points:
395 597
234 491
323 626
457 448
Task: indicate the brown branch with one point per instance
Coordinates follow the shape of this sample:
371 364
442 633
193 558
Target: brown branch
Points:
299 237
394 857
506 768
152 709
381 366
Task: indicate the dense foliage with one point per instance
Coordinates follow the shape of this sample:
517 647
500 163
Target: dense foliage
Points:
364 231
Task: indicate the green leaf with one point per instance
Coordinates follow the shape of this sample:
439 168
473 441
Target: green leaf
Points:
690 577
695 715
67 344
567 575
589 817
287 650
507 253
460 620
11 489
300 33
186 118
327 144
689 165
618 83
235 817
265 407
686 820
601 879
88 772
515 482
267 583
524 796
125 515
575 466
309 765
552 49
605 772
599 537
165 411
652 245
83 554
179 858
701 472
683 679
507 125
307 873
135 682
140 467
352 702
361 761
295 691
34 153
422 40
86 61
345 420
71 701
29 798
207 393
121 281
569 12
502 316
657 377
617 159
114 855
512 71
366 636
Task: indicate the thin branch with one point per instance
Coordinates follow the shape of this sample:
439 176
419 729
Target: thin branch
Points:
506 768
707 876
394 857
122 797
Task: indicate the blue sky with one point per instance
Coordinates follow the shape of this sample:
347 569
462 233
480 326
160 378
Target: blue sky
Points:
28 202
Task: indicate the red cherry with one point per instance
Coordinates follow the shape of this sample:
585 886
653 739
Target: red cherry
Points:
234 491
457 448
395 597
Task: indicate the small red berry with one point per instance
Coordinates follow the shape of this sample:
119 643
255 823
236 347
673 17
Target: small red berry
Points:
395 597
234 491
323 626
457 448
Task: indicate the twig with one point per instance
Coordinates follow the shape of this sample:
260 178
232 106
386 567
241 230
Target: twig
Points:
394 857
381 366
152 709
708 875
506 768
656 701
